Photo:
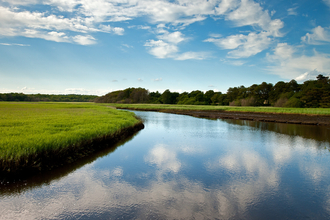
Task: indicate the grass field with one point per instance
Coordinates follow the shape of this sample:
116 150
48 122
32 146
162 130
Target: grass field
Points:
304 111
29 128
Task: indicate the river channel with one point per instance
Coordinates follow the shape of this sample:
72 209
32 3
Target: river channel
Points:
181 167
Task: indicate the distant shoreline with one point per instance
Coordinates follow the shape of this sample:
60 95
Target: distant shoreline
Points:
321 120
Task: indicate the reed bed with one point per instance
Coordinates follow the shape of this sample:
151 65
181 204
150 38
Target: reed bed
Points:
269 110
28 129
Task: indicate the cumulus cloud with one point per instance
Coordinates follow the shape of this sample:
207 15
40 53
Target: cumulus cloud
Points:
318 36
92 16
84 40
289 65
158 79
243 46
311 75
167 46
175 37
161 49
247 13
109 29
50 27
250 13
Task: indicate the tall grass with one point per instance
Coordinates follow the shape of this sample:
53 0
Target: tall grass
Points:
303 111
30 128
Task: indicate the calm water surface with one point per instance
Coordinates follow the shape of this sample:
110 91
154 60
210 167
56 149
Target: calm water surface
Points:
180 167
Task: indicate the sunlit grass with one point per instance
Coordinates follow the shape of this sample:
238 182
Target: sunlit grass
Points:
305 111
30 128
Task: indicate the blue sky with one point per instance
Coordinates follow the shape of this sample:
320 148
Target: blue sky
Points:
94 47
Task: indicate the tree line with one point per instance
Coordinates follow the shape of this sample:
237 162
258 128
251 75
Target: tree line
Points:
45 97
310 94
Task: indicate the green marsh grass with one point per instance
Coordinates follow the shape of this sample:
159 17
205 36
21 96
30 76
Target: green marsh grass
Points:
270 110
30 128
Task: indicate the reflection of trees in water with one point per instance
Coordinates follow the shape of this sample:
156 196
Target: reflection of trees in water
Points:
318 133
47 177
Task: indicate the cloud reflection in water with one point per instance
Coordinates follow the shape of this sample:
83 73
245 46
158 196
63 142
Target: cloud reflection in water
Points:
255 175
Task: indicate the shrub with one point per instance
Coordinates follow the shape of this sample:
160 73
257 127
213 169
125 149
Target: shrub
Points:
235 103
248 101
293 103
281 102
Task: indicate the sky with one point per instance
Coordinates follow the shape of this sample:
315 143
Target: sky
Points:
98 46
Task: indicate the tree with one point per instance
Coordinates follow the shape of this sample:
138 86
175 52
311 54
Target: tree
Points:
208 96
169 98
321 77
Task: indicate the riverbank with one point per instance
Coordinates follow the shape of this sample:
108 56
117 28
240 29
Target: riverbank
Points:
41 136
268 114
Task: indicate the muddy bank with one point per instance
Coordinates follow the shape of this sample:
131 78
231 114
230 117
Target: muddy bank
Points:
252 116
48 160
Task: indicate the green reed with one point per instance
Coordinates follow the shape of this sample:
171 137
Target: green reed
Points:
30 128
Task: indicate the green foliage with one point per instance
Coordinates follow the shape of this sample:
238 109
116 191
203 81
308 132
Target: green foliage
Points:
154 97
130 95
30 128
49 98
310 94
168 97
293 103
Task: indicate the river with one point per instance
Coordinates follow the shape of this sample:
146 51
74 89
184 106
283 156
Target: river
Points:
181 167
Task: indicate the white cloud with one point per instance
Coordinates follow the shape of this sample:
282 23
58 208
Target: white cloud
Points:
247 13
243 46
14 44
225 6
233 62
175 37
327 2
288 65
272 12
158 79
311 75
109 29
141 27
49 27
140 80
250 13
319 36
292 11
84 40
167 48
86 14
161 49
192 56
127 46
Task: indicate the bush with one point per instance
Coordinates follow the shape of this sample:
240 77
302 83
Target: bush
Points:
293 103
235 103
248 101
281 102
